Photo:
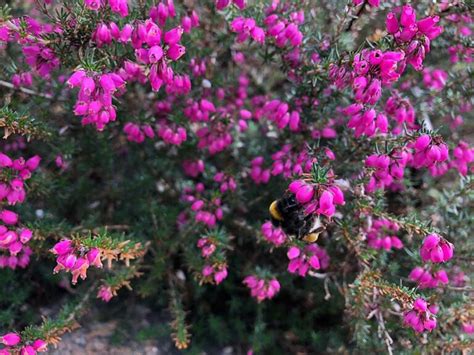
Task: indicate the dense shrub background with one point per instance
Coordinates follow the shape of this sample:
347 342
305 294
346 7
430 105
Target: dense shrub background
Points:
99 188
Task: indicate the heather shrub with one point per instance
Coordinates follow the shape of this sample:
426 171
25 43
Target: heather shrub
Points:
275 176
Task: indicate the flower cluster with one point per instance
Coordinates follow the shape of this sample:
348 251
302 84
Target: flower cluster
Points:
199 111
279 113
147 41
207 246
247 28
414 36
429 151
258 173
400 110
17 171
207 212
193 168
463 157
371 69
436 249
365 121
198 67
14 240
283 31
104 34
428 278
460 53
75 259
37 55
215 137
136 133
22 79
311 257
274 235
262 289
41 58
118 6
422 316
214 273
227 183
434 78
289 161
171 133
94 100
320 199
382 235
12 341
386 169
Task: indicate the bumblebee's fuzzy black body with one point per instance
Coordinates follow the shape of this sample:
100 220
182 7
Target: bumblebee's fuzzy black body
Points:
290 216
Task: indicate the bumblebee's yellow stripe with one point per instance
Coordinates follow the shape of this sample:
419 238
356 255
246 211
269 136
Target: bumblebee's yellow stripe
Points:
311 238
274 211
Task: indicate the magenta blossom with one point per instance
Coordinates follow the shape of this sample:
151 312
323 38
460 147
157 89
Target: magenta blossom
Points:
421 317
312 257
436 249
274 235
262 289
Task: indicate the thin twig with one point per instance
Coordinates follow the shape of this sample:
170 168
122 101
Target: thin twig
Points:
357 15
25 90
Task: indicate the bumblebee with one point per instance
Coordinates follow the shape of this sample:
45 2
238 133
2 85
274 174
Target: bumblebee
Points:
288 214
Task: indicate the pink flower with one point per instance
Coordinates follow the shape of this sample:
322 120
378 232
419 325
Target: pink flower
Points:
293 253
302 260
220 275
435 79
463 157
33 163
8 217
105 293
10 339
304 194
468 328
272 234
379 235
326 204
222 4
63 247
93 4
207 247
175 52
421 317
28 350
40 345
173 36
119 6
262 289
245 28
5 161
94 257
79 270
